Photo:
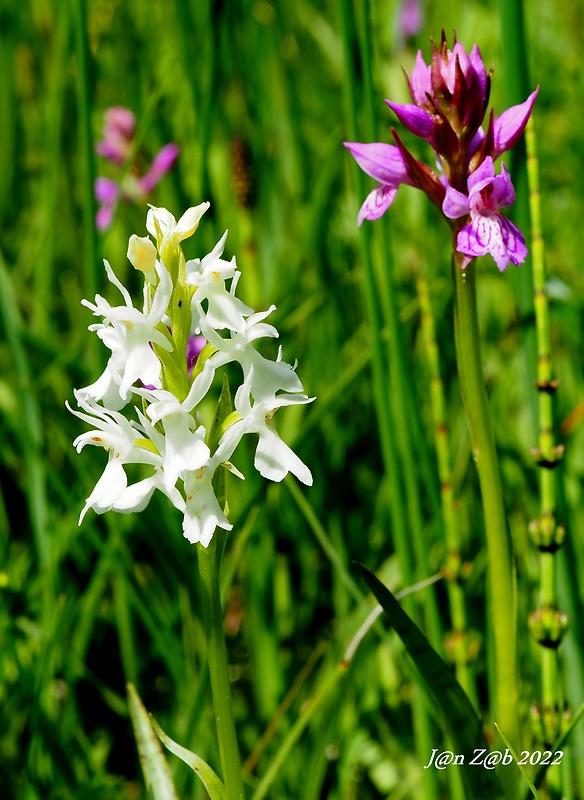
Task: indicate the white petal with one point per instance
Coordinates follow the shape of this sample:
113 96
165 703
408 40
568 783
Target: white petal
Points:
274 459
189 221
108 488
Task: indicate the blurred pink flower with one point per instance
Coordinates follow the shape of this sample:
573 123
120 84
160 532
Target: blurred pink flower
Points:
410 19
116 147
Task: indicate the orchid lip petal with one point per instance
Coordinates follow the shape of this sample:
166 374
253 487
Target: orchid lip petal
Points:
377 202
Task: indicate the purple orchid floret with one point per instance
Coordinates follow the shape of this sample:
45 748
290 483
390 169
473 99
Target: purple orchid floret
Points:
488 231
383 162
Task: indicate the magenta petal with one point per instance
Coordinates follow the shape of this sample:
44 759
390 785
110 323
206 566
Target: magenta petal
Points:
455 203
485 172
479 67
503 189
511 124
106 190
415 119
381 161
377 202
163 161
420 82
465 65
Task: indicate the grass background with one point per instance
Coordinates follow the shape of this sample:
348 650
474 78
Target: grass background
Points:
260 96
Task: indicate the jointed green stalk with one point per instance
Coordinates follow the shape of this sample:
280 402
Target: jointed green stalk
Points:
547 623
502 592
209 562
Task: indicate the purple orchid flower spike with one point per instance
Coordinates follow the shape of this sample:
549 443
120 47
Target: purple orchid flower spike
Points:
383 162
488 231
450 96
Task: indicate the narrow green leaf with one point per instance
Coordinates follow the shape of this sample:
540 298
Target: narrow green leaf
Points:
534 791
154 766
460 719
213 784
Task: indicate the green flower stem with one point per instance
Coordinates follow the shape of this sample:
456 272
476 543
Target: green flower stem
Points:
502 593
209 562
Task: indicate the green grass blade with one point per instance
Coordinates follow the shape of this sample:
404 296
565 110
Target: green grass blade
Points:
522 769
459 717
211 781
154 766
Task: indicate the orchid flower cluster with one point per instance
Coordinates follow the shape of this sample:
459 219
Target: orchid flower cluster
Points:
116 146
163 362
450 98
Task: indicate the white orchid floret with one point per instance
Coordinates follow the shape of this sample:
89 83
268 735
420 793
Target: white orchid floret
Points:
122 442
137 496
203 514
208 275
161 224
128 333
273 458
238 346
184 446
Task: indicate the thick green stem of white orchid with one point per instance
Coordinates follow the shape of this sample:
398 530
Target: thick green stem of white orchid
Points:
209 563
501 573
